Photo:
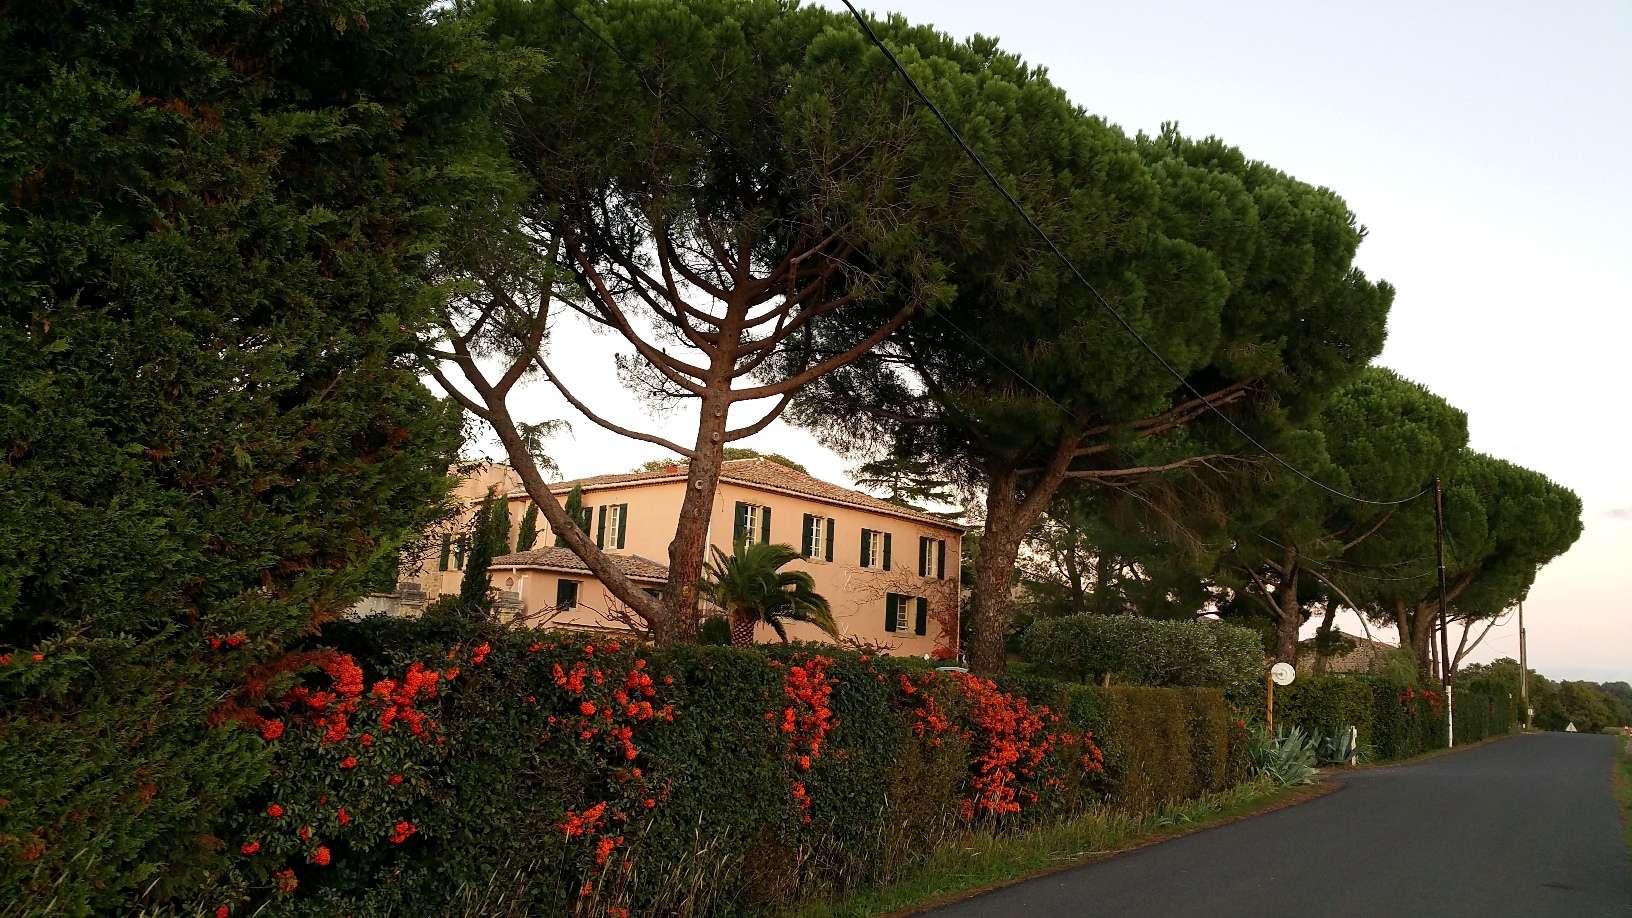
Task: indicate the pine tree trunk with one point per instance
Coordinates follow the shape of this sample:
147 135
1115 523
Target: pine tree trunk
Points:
742 630
690 545
1289 618
994 575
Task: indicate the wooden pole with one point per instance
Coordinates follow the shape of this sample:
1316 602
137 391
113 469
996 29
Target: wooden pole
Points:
1269 719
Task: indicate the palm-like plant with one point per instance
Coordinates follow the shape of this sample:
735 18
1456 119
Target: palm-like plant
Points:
750 586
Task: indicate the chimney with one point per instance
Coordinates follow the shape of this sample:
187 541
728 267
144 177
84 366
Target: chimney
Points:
671 469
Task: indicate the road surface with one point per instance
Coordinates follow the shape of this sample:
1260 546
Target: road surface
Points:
1526 826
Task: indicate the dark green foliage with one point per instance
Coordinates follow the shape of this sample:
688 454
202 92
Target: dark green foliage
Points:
528 533
716 631
1146 651
575 511
725 836
1395 720
489 537
212 220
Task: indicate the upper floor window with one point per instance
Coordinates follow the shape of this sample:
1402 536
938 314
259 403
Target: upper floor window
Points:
611 524
875 549
932 557
753 524
453 553
817 543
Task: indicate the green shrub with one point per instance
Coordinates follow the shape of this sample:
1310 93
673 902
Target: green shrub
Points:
736 823
1146 651
1395 720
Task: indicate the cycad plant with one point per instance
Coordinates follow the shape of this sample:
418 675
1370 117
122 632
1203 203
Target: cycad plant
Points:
750 586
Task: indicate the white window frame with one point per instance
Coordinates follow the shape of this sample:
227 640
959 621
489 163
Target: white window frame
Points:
750 529
614 523
818 538
875 548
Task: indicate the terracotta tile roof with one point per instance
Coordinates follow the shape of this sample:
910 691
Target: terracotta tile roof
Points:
764 473
562 559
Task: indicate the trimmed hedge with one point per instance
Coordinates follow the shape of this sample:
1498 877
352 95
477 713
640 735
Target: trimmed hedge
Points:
1396 721
1147 651
730 795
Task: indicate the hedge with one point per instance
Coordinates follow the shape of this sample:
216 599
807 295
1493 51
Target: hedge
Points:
1396 721
496 771
1147 651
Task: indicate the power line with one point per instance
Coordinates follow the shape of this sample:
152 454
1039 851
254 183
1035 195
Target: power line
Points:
975 158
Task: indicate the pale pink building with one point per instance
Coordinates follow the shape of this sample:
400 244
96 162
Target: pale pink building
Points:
889 572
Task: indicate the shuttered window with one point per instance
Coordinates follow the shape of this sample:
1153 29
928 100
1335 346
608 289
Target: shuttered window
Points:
447 550
566 593
875 549
816 543
920 623
931 557
892 612
752 523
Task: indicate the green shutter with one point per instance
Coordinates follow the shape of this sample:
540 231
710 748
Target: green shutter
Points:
600 527
921 623
923 556
765 525
892 613
829 546
566 594
940 559
740 530
459 553
866 545
447 549
807 546
623 523
886 551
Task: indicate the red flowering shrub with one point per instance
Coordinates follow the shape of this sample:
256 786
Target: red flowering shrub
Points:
807 719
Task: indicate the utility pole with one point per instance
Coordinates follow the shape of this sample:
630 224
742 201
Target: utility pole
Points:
1444 636
1524 668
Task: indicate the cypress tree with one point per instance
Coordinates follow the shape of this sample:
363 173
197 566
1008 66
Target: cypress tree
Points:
212 425
474 589
529 529
575 512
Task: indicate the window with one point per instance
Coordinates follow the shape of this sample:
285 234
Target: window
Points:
932 557
875 549
447 551
752 525
611 525
459 553
817 544
904 613
566 594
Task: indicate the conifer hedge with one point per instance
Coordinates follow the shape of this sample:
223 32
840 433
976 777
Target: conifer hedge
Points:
1395 720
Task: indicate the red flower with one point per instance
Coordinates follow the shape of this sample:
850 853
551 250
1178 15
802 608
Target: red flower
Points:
349 762
5 659
343 816
305 833
274 811
403 830
235 640
222 912
250 848
286 881
480 653
271 730
367 739
215 644
37 657
395 780
320 857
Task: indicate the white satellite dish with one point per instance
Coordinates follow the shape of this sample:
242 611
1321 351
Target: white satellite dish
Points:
1283 673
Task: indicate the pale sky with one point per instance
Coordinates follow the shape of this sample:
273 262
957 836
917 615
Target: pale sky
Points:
1484 145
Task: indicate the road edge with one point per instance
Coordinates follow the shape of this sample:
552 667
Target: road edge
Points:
1295 797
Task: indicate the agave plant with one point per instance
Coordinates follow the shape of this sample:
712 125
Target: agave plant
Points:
750 586
1288 757
1340 748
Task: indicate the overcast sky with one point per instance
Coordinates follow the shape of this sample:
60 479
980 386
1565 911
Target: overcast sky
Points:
1485 146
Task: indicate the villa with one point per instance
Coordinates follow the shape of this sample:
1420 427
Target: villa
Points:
890 573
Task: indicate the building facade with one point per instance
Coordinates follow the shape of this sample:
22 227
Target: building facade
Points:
890 573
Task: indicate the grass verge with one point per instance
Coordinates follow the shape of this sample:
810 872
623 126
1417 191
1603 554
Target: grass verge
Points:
1623 785
987 860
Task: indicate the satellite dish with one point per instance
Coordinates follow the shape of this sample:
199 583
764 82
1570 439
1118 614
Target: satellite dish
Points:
1283 673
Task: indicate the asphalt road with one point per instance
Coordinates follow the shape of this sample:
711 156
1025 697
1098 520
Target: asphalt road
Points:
1526 826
